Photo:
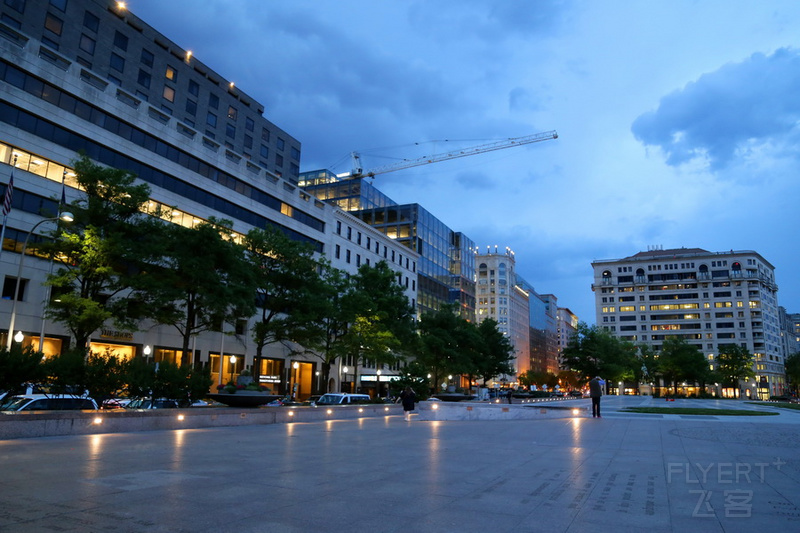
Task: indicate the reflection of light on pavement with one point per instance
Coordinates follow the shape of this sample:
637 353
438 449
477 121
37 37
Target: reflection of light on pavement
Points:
95 449
434 449
178 446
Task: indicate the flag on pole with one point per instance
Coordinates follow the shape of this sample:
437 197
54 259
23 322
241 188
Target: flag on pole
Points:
9 194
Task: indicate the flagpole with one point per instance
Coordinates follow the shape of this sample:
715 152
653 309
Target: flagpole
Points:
47 287
7 204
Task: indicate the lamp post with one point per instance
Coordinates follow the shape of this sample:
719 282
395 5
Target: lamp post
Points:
295 366
344 376
147 350
66 217
378 384
233 364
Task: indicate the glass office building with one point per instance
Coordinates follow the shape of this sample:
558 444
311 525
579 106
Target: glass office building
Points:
446 268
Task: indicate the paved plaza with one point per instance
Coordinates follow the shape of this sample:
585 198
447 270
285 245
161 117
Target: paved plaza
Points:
624 472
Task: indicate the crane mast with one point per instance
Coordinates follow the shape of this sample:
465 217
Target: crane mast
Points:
358 171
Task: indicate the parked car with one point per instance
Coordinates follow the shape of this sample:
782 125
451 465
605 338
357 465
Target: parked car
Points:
115 403
147 403
45 402
311 400
576 394
342 398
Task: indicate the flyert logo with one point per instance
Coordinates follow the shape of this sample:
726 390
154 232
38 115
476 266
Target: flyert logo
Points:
735 477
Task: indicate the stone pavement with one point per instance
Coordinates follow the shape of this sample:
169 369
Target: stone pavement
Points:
624 472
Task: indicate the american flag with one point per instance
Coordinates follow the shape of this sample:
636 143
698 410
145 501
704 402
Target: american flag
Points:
9 194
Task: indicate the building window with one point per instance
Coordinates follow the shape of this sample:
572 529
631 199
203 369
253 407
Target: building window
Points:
169 94
191 107
53 24
265 134
171 74
347 257
117 63
295 153
194 88
278 160
249 124
248 141
230 131
264 151
144 79
213 101
121 41
233 113
87 44
280 143
147 58
211 120
337 252
59 4
18 5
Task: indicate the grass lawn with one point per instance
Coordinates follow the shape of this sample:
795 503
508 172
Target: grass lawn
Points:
783 405
696 411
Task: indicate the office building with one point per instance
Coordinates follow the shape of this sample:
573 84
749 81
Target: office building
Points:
709 299
446 268
501 299
88 75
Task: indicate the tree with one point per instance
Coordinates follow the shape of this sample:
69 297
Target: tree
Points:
593 351
792 365
288 289
378 293
495 353
734 364
204 282
680 361
18 366
442 339
335 316
103 254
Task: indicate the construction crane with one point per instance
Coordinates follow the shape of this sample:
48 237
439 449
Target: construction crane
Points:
358 171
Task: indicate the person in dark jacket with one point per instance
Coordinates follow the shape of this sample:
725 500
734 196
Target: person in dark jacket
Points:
408 398
596 392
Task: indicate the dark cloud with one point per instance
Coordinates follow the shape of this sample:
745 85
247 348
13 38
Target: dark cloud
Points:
728 111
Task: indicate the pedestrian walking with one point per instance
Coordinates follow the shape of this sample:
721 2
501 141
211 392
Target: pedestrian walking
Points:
408 398
596 392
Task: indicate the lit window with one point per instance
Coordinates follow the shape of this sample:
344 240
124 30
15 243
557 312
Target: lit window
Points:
169 94
172 74
233 113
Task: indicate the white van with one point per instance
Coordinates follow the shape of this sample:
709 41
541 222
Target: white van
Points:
343 398
45 402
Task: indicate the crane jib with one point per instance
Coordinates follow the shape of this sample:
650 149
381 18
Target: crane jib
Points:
358 171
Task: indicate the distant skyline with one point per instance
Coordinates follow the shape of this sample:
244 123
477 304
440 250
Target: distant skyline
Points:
677 120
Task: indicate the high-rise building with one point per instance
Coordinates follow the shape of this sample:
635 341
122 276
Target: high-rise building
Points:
709 299
89 76
501 299
446 268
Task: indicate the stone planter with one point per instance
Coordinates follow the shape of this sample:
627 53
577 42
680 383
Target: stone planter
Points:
245 398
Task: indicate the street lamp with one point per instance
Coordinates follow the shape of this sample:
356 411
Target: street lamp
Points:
378 383
66 217
341 383
295 365
233 363
147 351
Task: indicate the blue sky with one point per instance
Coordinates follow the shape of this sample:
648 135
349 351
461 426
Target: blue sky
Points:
677 120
